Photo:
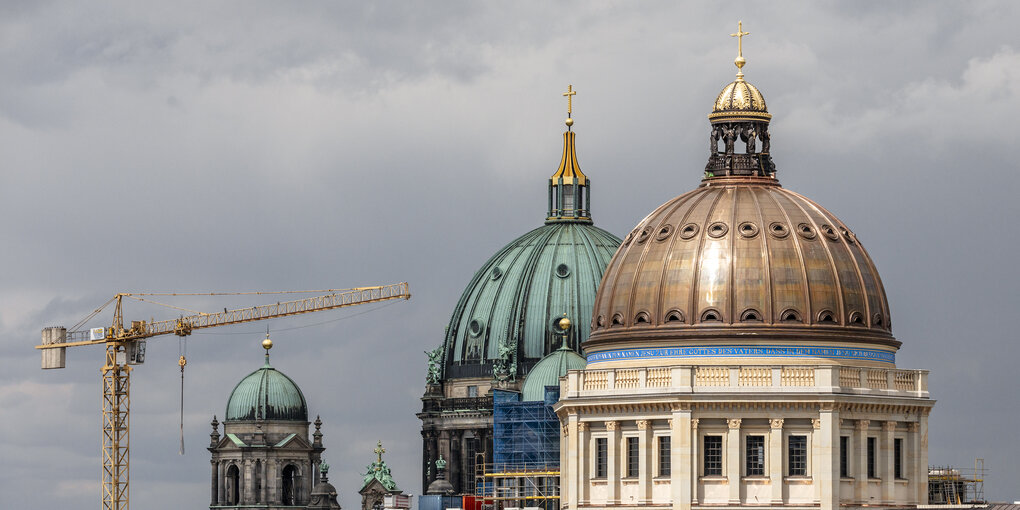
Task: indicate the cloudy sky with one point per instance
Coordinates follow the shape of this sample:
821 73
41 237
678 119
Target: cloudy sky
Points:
229 146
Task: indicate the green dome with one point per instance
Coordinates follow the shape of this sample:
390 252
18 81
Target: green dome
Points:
268 394
548 371
515 298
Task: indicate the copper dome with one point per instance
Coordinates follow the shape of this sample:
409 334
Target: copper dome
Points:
736 256
741 260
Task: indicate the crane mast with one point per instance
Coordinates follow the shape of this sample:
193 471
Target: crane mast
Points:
126 347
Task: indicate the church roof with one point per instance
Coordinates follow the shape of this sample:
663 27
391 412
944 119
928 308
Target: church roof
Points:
548 372
266 394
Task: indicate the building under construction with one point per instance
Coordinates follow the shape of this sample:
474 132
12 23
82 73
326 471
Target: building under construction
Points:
525 471
948 485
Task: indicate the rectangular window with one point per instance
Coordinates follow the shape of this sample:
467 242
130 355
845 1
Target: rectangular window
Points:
844 456
713 455
755 456
665 453
472 391
632 457
601 457
898 458
797 455
872 472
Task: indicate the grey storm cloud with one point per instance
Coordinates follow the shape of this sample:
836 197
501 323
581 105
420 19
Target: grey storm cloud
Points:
267 146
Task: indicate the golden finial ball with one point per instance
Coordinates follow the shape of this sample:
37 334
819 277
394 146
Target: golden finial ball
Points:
267 344
564 324
570 122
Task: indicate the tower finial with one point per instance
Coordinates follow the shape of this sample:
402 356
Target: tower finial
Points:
739 61
267 344
570 93
379 450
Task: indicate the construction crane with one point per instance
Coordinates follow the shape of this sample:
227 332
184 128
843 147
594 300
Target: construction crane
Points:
125 346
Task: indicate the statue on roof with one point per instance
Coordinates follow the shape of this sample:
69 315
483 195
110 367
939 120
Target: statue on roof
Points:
378 470
435 364
504 368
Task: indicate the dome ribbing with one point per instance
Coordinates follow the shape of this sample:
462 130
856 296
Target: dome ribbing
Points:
266 394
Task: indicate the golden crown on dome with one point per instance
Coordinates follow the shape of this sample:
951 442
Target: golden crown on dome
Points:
739 100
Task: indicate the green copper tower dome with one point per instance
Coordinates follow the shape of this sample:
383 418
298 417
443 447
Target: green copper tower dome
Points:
505 320
267 394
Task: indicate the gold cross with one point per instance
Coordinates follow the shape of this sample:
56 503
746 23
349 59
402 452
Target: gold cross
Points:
379 450
570 103
740 36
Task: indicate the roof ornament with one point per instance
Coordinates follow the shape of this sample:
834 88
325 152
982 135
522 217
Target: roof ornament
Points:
570 93
740 61
267 344
379 450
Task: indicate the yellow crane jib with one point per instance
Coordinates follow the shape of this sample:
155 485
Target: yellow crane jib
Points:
126 346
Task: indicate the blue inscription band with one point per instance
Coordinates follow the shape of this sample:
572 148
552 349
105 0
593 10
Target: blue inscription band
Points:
742 351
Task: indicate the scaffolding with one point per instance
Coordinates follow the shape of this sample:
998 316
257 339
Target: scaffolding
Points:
526 454
519 486
525 433
948 485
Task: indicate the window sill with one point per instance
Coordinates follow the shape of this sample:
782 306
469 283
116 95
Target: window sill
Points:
847 479
801 479
903 481
714 479
759 479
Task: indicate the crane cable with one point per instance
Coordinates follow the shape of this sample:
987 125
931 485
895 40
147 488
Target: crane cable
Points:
182 349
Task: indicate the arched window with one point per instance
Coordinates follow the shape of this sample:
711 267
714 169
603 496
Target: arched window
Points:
289 485
233 485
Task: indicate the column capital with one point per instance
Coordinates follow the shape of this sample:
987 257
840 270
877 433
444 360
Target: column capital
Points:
643 424
863 424
841 422
582 426
564 429
913 426
612 425
776 423
889 426
734 423
694 423
816 423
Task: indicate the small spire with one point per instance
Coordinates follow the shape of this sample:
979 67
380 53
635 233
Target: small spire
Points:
740 61
569 198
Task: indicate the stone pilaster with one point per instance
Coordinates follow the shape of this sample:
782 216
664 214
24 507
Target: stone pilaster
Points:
680 459
861 473
826 466
922 458
889 457
695 463
249 475
570 480
645 457
776 471
733 464
221 486
456 467
583 462
613 475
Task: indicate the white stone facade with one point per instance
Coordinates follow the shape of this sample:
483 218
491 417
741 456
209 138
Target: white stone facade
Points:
774 436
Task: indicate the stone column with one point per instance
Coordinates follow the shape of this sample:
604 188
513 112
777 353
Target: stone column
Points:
826 466
221 486
776 460
263 498
695 462
215 479
613 461
680 459
888 473
733 466
922 458
456 468
272 482
249 477
570 478
430 465
861 473
583 462
645 457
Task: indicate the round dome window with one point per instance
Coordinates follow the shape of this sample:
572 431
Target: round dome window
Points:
476 327
496 273
562 271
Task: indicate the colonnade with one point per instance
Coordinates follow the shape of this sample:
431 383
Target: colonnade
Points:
260 481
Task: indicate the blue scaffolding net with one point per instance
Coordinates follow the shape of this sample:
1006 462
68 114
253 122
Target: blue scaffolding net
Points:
525 435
